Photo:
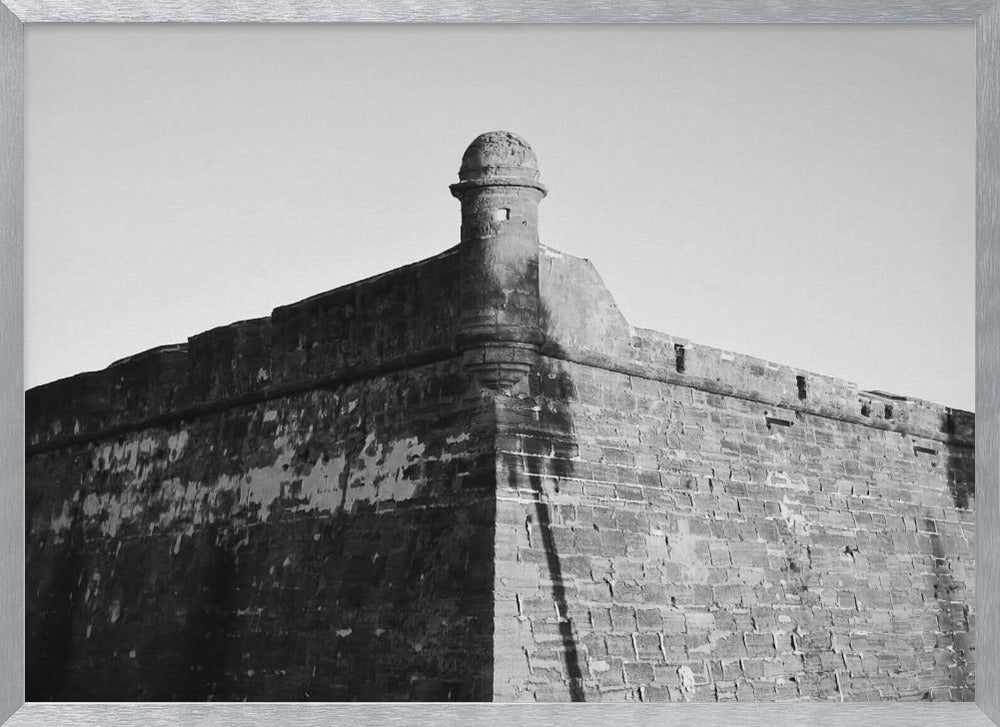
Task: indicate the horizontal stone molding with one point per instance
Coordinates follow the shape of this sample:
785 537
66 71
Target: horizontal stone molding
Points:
340 378
964 435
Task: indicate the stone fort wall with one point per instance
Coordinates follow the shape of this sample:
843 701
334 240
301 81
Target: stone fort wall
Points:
260 515
676 522
471 479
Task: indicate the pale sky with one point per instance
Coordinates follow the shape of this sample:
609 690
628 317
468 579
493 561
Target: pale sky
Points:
804 194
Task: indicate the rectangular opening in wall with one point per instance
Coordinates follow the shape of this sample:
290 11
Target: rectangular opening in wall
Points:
800 382
923 450
501 214
679 361
776 421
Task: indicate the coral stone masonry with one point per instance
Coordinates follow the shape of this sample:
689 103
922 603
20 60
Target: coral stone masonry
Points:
471 479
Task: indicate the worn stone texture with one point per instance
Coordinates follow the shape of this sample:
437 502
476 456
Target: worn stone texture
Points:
657 542
332 545
471 479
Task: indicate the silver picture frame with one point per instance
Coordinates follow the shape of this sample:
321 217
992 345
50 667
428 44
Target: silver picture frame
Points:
984 14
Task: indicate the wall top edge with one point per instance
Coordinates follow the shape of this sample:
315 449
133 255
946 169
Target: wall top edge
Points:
500 11
216 368
180 349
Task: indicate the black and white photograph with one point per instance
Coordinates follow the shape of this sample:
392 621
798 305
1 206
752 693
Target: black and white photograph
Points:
500 363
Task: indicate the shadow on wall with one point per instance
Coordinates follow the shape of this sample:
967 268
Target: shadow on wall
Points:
50 624
951 598
547 449
207 633
961 469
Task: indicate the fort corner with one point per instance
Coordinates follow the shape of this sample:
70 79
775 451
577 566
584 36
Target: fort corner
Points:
471 479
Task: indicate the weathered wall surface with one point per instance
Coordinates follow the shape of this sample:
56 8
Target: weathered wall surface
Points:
257 514
719 528
330 544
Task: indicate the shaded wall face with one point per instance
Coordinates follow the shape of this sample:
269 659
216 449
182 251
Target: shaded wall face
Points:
333 545
657 542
